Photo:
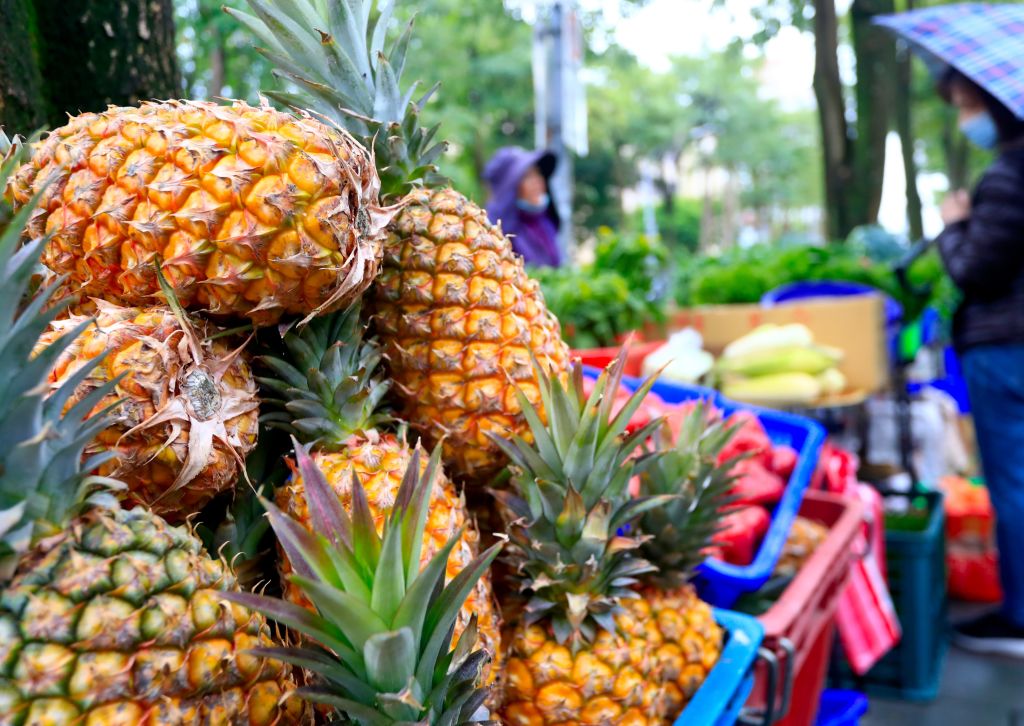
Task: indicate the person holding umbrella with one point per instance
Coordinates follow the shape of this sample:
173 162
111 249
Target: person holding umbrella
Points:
977 54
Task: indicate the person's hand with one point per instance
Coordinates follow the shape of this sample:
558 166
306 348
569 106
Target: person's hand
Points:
956 207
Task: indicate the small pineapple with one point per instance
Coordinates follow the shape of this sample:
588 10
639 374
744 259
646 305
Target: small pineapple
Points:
586 650
106 616
382 619
189 411
457 314
248 211
687 469
329 392
804 538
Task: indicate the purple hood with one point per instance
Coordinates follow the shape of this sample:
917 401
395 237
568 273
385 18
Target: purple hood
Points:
534 236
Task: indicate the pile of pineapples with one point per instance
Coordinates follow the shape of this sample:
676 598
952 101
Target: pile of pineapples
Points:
214 274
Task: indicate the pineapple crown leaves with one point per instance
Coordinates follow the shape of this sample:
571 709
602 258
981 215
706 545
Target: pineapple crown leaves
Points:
383 627
42 476
573 537
327 389
334 52
687 466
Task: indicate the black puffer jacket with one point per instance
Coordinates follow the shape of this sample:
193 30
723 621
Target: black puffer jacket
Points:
984 256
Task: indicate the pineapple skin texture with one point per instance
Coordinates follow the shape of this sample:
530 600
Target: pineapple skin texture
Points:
118 621
459 317
251 212
151 349
380 466
643 677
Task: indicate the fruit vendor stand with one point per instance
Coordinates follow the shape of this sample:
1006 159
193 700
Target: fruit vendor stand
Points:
291 435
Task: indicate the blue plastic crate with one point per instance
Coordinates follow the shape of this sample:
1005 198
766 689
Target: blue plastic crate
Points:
721 697
841 708
721 583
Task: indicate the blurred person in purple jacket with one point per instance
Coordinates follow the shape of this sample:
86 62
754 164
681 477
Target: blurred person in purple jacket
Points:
520 201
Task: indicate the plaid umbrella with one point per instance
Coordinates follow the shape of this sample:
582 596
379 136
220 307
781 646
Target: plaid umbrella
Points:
984 42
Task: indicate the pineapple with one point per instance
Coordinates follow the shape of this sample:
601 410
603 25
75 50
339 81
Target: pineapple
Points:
688 469
189 409
107 616
454 307
586 649
804 538
248 211
330 394
383 624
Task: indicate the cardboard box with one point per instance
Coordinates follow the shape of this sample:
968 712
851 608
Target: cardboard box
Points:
854 324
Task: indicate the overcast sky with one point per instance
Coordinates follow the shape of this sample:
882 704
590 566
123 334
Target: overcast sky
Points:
688 27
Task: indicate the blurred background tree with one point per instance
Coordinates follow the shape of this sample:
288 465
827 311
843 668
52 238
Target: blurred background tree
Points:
698 142
60 57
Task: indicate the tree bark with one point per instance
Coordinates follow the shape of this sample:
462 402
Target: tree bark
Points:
100 52
905 129
874 50
828 89
217 68
23 106
956 151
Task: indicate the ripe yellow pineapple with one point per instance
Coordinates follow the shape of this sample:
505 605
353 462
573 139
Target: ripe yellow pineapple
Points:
379 643
188 416
249 211
106 616
329 394
585 649
686 468
457 314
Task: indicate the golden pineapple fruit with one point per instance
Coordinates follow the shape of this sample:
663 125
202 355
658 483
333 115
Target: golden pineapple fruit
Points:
459 319
188 412
248 211
120 620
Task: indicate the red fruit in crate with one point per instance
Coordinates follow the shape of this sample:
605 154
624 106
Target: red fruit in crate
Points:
755 484
837 470
751 437
741 533
784 460
647 412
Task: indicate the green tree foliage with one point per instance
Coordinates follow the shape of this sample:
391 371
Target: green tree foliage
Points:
481 52
216 54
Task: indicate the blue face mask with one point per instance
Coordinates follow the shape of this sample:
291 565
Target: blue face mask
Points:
531 208
981 130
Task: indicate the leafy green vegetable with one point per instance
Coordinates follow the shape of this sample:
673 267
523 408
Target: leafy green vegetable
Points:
628 284
745 275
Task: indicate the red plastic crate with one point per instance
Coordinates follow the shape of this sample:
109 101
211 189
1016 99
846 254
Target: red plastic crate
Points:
800 626
600 357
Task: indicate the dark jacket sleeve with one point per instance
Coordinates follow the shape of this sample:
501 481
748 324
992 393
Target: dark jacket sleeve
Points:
986 251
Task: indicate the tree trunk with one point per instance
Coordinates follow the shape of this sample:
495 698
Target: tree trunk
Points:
956 151
828 89
217 68
667 192
22 101
100 52
874 50
905 129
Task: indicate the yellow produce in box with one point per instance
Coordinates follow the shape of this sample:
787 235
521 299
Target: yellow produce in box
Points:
811 359
774 390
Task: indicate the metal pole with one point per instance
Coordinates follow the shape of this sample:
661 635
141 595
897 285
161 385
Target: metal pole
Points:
550 115
647 199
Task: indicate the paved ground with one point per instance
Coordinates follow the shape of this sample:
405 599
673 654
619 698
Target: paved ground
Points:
975 691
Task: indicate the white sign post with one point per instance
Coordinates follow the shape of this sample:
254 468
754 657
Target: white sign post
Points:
560 110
